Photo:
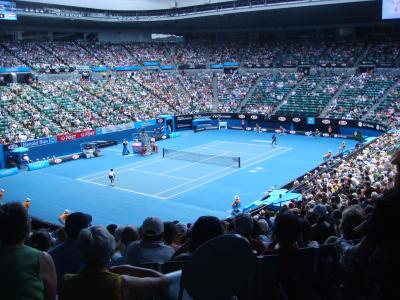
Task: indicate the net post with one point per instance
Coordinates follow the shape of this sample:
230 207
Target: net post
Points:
163 152
239 161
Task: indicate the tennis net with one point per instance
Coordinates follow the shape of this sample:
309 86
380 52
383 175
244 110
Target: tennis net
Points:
229 161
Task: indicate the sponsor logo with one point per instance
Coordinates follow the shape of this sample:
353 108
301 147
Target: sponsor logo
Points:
75 156
248 128
325 134
181 118
160 121
326 122
308 133
254 117
12 146
164 137
342 122
360 124
282 119
57 160
220 116
263 129
183 125
292 132
297 120
241 116
200 116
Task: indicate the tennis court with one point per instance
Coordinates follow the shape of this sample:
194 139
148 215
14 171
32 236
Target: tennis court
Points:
171 188
180 172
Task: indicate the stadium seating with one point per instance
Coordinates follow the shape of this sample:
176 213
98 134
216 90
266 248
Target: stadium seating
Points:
360 93
312 95
270 92
388 111
233 88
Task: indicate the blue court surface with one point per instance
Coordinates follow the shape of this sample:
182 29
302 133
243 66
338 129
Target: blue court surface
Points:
171 188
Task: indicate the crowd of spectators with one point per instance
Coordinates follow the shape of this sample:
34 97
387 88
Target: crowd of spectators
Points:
199 88
322 52
193 53
233 88
33 54
349 204
360 93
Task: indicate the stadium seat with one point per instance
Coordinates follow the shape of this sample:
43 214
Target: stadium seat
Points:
218 269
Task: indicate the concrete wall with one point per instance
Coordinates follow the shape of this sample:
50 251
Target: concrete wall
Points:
124 36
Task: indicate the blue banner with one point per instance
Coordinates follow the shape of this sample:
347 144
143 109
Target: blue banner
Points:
151 63
231 64
38 165
217 66
99 69
127 68
8 172
16 69
140 124
38 142
167 67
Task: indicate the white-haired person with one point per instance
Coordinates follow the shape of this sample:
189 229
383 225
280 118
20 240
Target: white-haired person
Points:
97 281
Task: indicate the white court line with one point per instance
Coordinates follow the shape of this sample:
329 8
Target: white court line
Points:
246 153
261 141
125 190
113 150
158 174
194 163
145 162
211 180
191 188
137 166
217 171
249 144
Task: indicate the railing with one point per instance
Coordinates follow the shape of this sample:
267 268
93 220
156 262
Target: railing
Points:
171 13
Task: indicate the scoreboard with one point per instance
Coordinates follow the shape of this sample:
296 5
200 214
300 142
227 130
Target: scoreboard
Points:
390 9
8 11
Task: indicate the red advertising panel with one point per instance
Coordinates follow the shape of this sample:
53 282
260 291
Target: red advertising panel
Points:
75 135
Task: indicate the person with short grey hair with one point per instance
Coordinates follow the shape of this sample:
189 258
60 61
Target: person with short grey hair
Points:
96 281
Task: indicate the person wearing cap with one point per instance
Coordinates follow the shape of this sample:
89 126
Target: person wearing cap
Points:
65 255
63 216
97 281
27 203
1 196
151 248
236 206
25 272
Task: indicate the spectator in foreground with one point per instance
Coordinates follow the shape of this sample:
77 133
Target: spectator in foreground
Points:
94 281
66 256
204 229
244 225
128 235
26 273
151 249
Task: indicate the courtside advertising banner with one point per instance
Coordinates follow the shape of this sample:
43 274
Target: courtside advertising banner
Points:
75 135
